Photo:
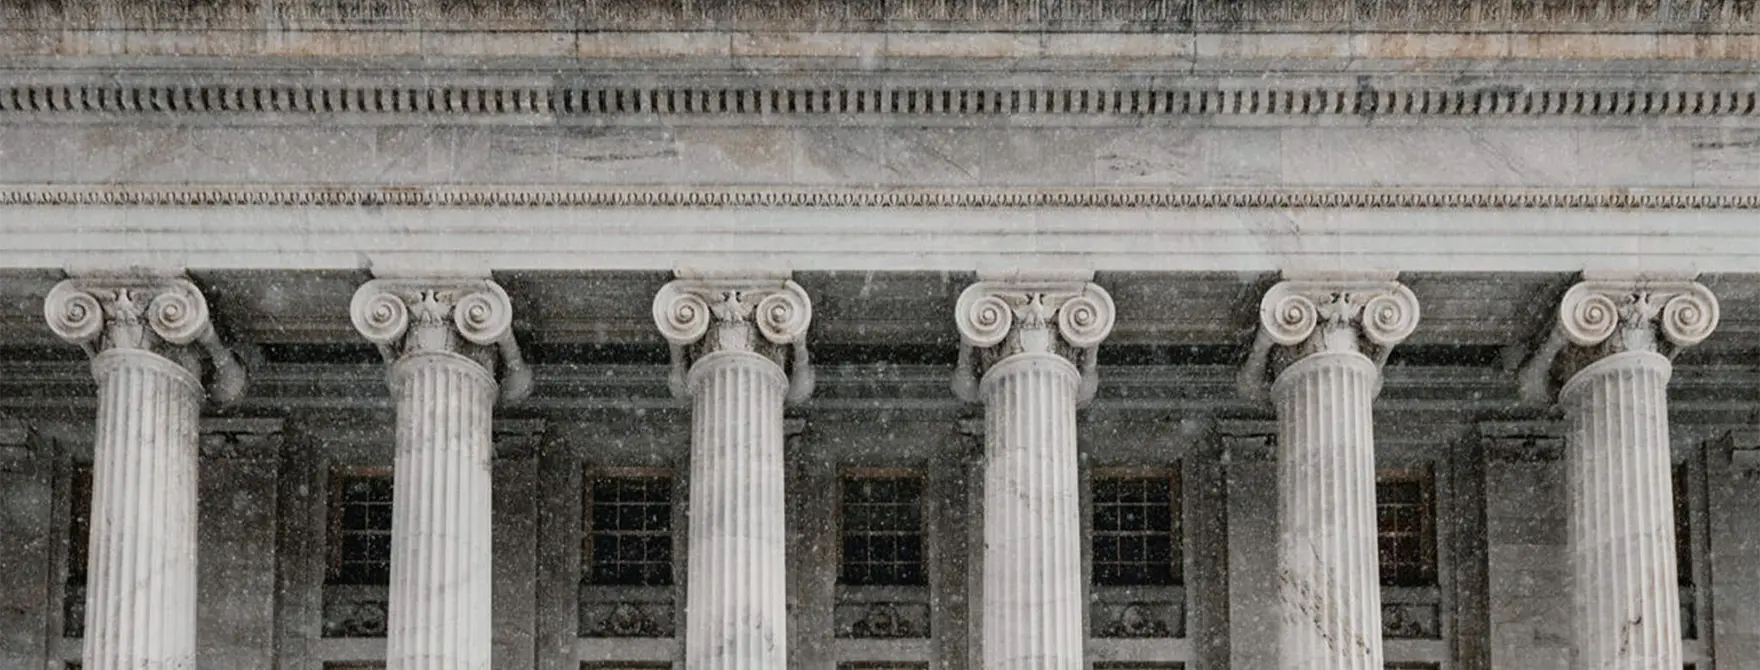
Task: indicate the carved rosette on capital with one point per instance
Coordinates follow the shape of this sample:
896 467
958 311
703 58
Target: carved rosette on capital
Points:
164 315
764 316
467 317
1000 319
1300 318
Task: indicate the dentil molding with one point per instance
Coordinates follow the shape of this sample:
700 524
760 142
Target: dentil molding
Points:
684 99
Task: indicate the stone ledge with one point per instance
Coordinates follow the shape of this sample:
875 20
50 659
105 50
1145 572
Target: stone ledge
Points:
893 15
870 50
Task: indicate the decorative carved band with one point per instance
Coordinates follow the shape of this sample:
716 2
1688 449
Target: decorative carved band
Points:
409 316
1600 317
161 314
1025 315
1262 198
703 316
684 99
1304 317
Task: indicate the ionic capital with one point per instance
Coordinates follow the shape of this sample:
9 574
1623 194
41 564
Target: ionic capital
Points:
1025 315
1600 317
158 313
469 316
1304 317
767 316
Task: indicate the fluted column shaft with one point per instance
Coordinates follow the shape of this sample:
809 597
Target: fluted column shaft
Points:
1328 582
1622 514
440 588
1029 354
1323 340
1032 529
1611 347
141 584
151 342
453 354
737 600
739 353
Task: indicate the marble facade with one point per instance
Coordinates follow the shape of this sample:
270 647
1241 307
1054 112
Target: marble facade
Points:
745 258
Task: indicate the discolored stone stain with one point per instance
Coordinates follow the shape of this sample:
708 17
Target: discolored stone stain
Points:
1627 631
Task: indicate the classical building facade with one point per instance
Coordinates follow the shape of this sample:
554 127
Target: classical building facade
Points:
1073 334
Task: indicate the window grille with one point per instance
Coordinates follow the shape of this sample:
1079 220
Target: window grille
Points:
1405 505
883 532
1136 531
360 528
628 539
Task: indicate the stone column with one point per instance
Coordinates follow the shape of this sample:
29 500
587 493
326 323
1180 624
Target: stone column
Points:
1608 355
445 340
139 331
1028 348
1323 343
739 353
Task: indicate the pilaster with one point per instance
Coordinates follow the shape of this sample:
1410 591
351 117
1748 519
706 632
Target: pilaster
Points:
1323 342
739 353
1028 353
445 340
237 505
1608 356
151 344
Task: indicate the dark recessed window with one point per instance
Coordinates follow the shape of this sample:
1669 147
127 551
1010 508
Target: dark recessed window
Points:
883 532
79 538
1136 540
1405 506
628 538
79 524
360 528
1683 526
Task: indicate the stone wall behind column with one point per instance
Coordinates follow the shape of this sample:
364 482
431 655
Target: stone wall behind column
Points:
1529 565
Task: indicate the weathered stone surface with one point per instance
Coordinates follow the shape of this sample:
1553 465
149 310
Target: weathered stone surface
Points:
1027 15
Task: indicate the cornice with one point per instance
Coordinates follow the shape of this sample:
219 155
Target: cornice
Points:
831 96
977 198
891 15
